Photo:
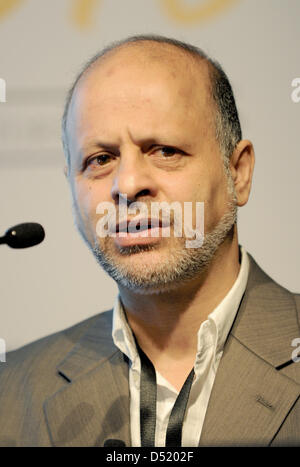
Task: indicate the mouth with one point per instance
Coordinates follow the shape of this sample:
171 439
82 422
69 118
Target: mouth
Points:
140 232
139 225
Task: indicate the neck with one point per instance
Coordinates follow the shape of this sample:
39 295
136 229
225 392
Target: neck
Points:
166 324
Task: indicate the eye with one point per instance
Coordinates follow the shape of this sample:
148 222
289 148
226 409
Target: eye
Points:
167 154
167 157
168 151
99 161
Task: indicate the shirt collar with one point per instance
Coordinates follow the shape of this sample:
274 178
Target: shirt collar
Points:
223 315
221 318
121 332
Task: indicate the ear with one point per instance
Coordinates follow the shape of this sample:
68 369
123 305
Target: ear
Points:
241 166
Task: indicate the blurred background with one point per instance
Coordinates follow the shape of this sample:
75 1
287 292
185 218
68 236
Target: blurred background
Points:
43 44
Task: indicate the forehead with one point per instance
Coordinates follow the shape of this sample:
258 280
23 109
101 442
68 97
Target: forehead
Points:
158 81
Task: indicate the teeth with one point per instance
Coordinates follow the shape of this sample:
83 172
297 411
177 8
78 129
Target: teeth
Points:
138 228
144 225
155 223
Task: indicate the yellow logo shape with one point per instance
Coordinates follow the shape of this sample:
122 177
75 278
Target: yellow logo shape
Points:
183 13
7 5
82 12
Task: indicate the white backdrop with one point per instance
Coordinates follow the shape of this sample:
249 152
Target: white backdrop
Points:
42 45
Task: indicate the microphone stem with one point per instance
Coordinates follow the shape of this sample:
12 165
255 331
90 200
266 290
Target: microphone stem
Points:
2 240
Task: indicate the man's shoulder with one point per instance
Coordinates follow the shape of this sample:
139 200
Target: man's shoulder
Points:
30 376
258 276
267 304
297 298
54 346
297 301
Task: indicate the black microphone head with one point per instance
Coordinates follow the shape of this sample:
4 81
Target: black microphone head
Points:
24 235
114 443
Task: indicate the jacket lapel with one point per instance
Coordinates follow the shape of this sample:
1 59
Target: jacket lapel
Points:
95 405
250 397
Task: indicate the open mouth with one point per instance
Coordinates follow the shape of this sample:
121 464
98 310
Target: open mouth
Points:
139 232
138 226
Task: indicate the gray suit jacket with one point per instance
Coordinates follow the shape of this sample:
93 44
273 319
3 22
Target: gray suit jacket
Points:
71 388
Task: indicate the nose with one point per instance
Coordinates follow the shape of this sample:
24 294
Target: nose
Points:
133 178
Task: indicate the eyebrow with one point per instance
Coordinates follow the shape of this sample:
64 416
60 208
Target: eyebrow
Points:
99 145
144 143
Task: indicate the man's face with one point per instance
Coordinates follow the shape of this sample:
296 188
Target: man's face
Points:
144 127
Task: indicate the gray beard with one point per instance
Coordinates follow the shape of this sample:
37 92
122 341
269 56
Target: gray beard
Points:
182 265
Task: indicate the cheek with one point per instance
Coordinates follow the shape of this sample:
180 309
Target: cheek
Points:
211 188
217 203
87 200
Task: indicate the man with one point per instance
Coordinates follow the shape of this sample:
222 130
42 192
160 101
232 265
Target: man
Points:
197 350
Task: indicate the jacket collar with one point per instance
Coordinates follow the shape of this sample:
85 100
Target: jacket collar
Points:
250 397
94 347
267 320
95 406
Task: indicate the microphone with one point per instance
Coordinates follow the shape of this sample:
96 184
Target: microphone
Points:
23 235
114 443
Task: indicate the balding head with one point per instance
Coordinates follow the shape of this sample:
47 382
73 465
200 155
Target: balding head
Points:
179 59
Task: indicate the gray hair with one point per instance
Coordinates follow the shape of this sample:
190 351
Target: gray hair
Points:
228 129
